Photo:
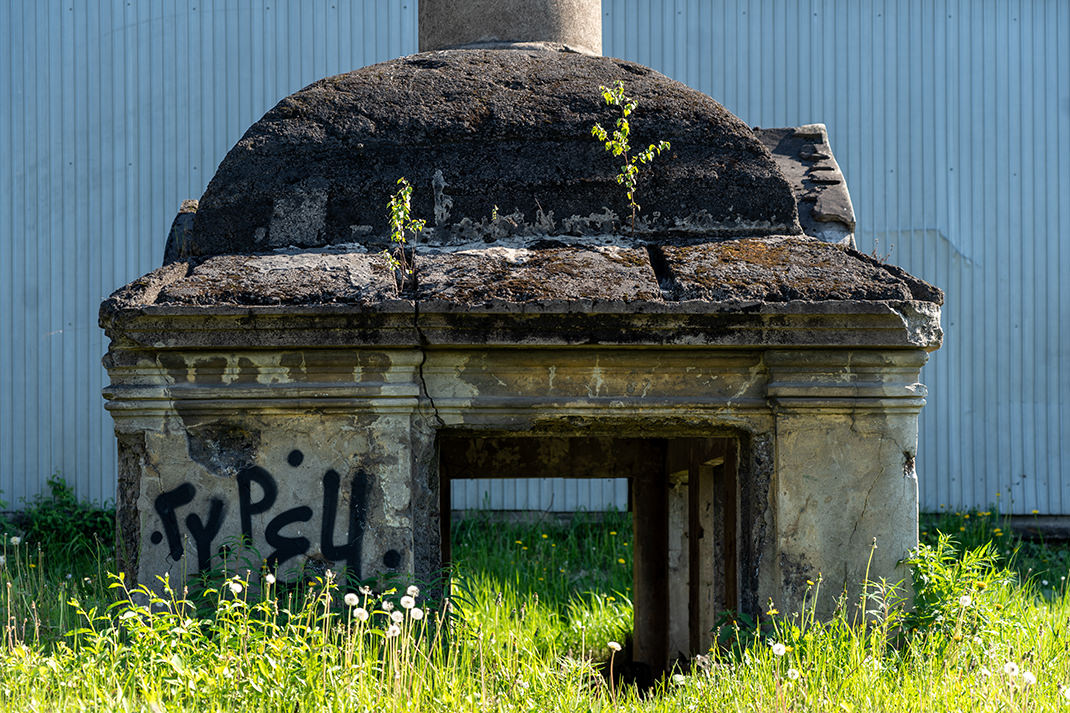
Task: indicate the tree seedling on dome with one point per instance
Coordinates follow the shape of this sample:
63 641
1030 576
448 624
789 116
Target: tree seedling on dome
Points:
619 143
402 226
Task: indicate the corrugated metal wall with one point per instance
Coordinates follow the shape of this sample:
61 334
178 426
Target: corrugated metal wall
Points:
950 119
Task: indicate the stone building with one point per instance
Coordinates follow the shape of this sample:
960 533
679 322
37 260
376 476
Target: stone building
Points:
754 376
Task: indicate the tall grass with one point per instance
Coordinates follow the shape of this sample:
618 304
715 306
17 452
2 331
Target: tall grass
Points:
528 628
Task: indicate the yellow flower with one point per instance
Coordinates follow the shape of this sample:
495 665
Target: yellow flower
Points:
772 611
966 516
545 536
611 599
620 560
519 542
524 547
810 582
961 529
1036 512
613 532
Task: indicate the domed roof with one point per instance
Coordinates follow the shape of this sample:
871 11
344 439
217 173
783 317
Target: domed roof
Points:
483 134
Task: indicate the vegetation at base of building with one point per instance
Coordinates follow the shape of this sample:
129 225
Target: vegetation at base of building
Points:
535 618
69 532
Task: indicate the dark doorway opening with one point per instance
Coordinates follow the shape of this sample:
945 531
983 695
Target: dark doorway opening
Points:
684 500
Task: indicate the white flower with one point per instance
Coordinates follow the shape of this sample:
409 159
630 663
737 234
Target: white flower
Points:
417 613
1028 678
3 560
678 679
269 578
388 606
393 631
16 540
360 614
235 588
1010 668
965 600
413 590
397 617
1044 582
408 602
351 599
365 590
613 645
985 672
793 674
779 649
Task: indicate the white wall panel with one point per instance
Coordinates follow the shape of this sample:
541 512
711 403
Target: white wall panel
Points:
950 119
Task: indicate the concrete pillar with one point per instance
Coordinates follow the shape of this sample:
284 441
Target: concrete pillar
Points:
453 23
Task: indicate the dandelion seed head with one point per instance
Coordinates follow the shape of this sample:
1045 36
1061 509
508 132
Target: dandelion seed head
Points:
408 602
397 617
613 645
678 679
965 600
793 674
1010 668
16 540
413 590
1028 678
235 587
269 578
388 606
417 613
392 631
360 614
351 599
779 649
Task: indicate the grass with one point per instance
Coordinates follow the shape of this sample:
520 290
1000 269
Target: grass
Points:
529 627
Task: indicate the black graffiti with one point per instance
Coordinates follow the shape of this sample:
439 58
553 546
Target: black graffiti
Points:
203 533
246 507
166 506
259 500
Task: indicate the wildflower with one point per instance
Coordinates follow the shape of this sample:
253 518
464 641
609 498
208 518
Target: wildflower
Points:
392 631
365 590
779 649
1066 693
1010 668
809 582
235 587
1036 512
678 679
611 599
417 613
269 578
613 645
981 586
3 560
524 547
545 536
1028 678
1044 582
613 532
16 540
360 614
388 606
413 590
985 672
396 617
408 602
773 611
519 542
965 600
351 599
620 560
793 674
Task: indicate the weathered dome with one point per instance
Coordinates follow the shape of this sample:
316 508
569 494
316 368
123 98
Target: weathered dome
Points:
482 135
